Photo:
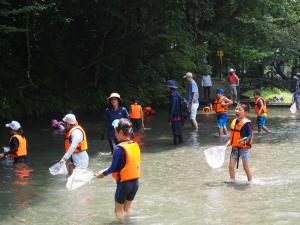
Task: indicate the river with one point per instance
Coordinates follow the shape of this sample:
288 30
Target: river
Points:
177 185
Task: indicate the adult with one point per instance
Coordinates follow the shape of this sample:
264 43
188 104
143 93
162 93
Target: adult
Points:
136 115
75 145
297 78
125 168
175 112
17 143
112 112
233 83
206 84
192 98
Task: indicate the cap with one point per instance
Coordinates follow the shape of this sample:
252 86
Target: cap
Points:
220 91
70 118
115 123
114 95
231 70
188 74
14 125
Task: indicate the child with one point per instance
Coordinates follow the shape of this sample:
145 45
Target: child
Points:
17 143
125 168
175 112
136 115
221 108
260 108
240 140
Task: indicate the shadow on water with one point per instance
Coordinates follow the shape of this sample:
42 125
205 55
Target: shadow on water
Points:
240 186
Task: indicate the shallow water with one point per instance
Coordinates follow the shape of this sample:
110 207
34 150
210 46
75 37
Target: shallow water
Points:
177 185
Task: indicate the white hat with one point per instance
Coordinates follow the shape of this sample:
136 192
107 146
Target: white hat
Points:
231 70
188 74
15 125
114 95
70 118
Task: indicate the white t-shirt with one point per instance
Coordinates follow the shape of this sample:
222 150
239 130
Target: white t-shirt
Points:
206 81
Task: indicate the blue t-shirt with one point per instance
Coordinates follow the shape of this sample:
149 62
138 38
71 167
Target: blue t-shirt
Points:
193 88
118 162
112 115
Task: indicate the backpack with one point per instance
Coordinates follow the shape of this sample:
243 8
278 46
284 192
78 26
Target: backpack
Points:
184 108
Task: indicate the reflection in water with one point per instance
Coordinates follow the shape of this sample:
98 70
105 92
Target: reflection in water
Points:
194 139
22 173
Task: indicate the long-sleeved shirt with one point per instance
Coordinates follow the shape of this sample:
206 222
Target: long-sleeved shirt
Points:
111 115
175 106
118 162
13 146
76 138
206 81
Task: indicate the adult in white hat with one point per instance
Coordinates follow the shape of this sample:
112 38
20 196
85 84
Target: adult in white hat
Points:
17 143
112 112
192 98
75 144
233 83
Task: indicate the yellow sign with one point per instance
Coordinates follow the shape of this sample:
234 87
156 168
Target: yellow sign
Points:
220 53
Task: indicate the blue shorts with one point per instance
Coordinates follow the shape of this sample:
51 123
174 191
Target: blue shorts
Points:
243 153
126 190
261 121
222 120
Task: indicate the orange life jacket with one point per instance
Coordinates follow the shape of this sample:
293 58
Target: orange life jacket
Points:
136 111
22 149
219 108
131 170
82 146
256 108
235 133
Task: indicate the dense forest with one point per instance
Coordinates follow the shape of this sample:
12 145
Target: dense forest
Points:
60 55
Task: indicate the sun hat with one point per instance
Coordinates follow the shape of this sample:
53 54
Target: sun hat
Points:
188 74
70 118
14 125
114 95
171 84
219 91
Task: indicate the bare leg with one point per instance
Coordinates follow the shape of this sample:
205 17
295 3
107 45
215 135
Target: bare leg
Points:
247 170
195 124
225 131
221 131
231 168
71 167
119 211
128 208
266 129
259 131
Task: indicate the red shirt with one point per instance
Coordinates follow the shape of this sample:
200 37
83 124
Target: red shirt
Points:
232 78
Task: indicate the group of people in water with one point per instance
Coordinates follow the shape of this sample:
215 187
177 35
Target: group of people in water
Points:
121 125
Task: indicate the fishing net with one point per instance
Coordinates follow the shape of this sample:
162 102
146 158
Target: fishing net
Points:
215 156
293 108
79 178
59 168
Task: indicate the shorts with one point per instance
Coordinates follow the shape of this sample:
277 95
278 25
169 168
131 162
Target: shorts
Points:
194 108
126 190
244 153
261 121
222 120
233 91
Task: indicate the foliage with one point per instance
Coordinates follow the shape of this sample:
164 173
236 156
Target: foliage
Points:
69 55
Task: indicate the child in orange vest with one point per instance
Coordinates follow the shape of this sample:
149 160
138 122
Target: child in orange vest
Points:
260 108
136 115
221 105
240 140
125 168
17 143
